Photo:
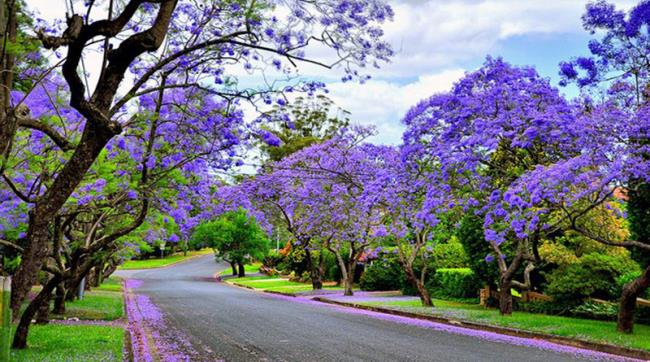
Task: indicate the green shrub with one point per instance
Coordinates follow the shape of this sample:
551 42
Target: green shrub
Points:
551 308
456 283
593 310
626 278
594 275
450 255
383 274
273 258
470 235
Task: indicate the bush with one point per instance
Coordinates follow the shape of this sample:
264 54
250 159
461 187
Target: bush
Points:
593 310
626 278
450 255
385 274
273 259
470 235
455 283
594 275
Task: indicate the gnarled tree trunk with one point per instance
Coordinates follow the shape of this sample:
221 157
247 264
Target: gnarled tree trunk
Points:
631 292
20 338
59 299
505 295
242 270
315 270
418 284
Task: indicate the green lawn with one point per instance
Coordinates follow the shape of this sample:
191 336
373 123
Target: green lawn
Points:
72 343
111 284
159 263
277 284
96 305
599 331
248 268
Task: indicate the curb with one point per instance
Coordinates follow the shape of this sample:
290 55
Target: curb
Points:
599 347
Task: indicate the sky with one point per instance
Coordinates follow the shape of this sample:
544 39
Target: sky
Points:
437 41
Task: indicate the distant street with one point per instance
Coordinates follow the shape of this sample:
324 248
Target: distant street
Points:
224 322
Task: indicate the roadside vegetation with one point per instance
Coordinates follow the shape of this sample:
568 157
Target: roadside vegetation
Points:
154 262
580 328
90 329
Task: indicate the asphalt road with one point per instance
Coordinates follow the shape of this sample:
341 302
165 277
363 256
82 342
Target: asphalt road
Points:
225 322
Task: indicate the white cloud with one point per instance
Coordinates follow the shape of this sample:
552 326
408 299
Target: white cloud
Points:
383 104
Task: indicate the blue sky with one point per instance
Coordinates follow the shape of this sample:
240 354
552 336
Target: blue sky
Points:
437 41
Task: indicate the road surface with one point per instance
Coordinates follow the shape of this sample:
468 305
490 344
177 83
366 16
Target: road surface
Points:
222 322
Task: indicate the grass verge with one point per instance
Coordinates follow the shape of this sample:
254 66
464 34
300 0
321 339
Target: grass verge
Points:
585 329
96 305
248 268
277 284
72 343
159 263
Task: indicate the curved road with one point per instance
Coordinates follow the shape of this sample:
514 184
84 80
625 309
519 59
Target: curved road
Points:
233 324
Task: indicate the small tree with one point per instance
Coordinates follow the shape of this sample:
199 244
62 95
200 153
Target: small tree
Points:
235 237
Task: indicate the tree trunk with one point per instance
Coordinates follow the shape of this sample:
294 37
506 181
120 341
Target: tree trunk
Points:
505 296
110 269
233 265
59 300
631 292
421 289
20 338
43 313
91 279
93 140
349 280
242 270
315 273
8 122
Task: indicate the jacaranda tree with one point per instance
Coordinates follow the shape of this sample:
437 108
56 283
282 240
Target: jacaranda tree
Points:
203 42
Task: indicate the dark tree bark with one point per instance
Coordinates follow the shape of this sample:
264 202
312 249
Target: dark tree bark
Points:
505 296
418 284
20 338
315 270
59 299
8 122
348 282
99 128
233 265
109 270
43 313
631 292
242 270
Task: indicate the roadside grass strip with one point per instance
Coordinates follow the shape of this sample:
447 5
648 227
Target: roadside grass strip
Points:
72 343
583 329
463 331
96 305
110 284
159 263
277 284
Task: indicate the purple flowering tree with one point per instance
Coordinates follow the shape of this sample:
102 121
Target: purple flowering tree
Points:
170 147
407 221
610 156
495 124
203 42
